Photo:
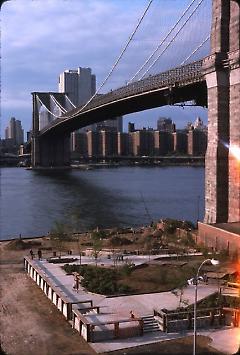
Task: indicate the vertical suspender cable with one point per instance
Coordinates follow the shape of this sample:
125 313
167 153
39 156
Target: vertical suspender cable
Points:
174 37
164 39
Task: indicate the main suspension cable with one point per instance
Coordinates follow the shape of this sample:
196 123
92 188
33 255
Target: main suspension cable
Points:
162 42
120 56
196 49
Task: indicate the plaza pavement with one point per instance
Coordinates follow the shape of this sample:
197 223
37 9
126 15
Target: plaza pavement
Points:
225 340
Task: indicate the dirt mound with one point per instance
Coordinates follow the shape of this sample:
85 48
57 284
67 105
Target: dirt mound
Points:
17 244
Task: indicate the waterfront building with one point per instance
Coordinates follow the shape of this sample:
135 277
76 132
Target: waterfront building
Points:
143 142
79 144
163 142
123 144
180 142
93 144
15 131
197 142
108 143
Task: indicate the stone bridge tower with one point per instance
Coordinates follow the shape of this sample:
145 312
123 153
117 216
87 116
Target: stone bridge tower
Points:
51 150
222 72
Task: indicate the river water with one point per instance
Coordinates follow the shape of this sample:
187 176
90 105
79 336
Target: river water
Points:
32 202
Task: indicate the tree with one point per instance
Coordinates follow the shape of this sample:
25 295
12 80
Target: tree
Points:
148 245
179 293
97 247
59 234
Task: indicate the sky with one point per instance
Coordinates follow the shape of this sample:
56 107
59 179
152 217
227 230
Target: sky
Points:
41 39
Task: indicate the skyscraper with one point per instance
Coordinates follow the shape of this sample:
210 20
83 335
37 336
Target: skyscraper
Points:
165 125
14 131
79 85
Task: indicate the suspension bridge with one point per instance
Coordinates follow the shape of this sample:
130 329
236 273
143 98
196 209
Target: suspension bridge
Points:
212 81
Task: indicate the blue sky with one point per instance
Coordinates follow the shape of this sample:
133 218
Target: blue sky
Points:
40 41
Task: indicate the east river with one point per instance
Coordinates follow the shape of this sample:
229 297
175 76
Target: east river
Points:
32 202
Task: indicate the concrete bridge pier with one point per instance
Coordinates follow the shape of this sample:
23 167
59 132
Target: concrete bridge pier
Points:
54 150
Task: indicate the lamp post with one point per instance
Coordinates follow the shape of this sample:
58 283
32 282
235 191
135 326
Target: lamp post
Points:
213 262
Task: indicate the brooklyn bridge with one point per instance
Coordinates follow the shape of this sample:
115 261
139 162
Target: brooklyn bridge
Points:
212 82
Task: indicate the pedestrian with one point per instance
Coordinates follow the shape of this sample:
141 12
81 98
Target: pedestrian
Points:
76 283
31 253
131 315
39 254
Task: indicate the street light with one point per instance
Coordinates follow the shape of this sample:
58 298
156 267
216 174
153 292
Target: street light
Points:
213 262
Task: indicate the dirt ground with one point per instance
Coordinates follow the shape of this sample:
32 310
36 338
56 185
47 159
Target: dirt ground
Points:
30 324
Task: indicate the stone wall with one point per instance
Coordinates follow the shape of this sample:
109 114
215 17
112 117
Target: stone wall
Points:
217 238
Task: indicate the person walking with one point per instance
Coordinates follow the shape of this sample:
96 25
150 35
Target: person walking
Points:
39 254
31 253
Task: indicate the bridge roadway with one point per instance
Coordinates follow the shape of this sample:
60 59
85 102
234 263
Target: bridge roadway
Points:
173 86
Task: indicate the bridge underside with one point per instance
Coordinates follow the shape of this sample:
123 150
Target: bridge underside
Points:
51 146
148 100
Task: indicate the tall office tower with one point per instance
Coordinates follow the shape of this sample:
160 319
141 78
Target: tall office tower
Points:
79 85
165 124
14 131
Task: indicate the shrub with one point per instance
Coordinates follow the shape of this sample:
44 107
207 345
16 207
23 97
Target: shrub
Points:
126 270
99 280
117 241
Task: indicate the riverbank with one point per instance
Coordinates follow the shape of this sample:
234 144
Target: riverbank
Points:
151 161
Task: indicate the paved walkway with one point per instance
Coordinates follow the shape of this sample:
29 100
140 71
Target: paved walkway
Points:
224 340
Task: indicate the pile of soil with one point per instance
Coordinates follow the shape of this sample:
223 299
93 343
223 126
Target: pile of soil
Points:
16 244
19 244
